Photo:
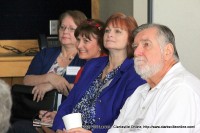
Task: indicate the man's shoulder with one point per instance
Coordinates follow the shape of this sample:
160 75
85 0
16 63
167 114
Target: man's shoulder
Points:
179 77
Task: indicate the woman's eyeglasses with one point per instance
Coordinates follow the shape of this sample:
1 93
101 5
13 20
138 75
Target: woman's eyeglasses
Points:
70 29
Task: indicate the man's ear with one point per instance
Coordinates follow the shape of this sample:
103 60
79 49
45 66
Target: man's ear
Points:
169 51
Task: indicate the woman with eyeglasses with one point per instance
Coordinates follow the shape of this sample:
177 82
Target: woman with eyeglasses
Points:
52 68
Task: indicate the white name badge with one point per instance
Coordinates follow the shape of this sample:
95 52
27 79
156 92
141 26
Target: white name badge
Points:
72 70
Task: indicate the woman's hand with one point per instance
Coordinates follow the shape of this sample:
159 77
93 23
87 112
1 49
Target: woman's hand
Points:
77 130
40 90
58 82
61 131
70 86
46 116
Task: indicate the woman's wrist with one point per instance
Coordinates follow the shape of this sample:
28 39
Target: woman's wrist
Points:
48 77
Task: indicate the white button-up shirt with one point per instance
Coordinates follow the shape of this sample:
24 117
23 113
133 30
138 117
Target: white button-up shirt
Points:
173 106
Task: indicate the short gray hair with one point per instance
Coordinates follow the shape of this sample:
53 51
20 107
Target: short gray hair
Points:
5 106
165 36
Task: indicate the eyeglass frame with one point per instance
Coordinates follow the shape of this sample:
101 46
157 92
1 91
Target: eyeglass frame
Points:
29 51
69 29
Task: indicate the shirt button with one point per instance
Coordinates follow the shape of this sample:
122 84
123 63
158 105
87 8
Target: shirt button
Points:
99 119
100 101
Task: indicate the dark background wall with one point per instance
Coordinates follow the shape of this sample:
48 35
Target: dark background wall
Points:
26 19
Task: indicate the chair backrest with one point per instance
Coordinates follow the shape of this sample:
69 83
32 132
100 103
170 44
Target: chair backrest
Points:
24 108
47 41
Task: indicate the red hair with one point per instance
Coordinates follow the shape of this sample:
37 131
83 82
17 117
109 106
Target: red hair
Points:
124 22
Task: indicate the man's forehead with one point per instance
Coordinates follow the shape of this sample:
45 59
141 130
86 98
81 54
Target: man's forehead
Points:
148 31
145 34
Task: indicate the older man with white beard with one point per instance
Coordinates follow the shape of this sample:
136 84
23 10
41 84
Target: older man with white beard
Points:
170 100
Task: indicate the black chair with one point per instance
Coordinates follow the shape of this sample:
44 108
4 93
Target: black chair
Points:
24 108
47 41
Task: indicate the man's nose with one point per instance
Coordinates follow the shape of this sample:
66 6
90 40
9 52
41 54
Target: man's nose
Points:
138 50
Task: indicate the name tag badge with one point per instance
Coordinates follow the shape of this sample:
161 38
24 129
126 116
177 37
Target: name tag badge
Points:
72 70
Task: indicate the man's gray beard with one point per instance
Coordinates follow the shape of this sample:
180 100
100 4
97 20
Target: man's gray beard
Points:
147 71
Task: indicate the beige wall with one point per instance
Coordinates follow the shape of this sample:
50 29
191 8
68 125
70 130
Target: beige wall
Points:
108 7
136 8
140 11
183 17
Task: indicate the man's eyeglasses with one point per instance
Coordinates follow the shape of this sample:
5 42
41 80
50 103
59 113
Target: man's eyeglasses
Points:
70 29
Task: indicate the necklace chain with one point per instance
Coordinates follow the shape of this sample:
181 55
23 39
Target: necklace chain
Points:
69 57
